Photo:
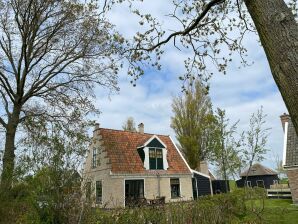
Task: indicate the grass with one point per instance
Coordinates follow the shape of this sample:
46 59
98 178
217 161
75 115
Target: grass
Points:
279 211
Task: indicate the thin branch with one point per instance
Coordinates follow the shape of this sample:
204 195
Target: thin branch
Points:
191 27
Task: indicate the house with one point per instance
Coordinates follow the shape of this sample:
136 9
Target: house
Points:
124 168
258 176
290 155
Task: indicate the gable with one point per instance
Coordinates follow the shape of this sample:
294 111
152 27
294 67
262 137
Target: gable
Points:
155 143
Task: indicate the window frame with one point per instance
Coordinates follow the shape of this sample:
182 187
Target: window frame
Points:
248 183
178 194
94 158
157 157
98 198
260 181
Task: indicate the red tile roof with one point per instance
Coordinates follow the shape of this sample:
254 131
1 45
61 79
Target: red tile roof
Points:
121 147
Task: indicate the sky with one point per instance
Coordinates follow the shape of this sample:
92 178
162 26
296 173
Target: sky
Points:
240 92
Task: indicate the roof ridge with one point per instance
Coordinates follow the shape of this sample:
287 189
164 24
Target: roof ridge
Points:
133 132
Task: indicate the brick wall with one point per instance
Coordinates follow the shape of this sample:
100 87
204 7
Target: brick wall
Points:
293 180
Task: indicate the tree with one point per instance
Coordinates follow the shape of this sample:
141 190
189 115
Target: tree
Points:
279 166
53 54
226 155
46 178
205 29
129 125
193 123
255 139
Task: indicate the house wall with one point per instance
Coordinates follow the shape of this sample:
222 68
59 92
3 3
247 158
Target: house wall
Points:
151 187
293 181
112 188
268 180
203 185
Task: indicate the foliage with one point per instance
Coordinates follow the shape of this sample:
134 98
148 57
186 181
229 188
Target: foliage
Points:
236 207
193 123
129 125
46 181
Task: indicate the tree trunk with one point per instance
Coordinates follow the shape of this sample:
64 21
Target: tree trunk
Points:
278 32
9 156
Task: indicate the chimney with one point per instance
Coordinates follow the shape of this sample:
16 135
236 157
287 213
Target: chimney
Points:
284 118
96 128
141 128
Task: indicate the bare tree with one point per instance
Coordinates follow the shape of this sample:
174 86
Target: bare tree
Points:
52 55
129 125
255 139
226 155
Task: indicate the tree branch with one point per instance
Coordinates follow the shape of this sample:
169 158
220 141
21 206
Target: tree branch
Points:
191 27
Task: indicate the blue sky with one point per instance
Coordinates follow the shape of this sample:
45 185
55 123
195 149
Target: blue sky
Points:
241 92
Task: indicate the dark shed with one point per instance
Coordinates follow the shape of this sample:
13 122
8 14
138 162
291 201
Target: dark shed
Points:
220 186
201 184
258 175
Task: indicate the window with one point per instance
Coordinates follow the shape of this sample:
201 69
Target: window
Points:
275 182
88 191
94 158
248 183
260 183
175 188
134 192
155 159
98 188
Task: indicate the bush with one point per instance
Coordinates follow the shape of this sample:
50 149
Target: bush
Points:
218 209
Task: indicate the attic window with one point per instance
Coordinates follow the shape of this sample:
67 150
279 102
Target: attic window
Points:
155 159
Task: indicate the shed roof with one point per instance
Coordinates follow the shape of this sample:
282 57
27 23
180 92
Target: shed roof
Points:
258 170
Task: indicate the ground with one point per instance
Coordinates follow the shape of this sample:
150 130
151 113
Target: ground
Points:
279 211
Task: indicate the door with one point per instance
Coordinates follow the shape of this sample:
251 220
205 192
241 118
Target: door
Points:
134 192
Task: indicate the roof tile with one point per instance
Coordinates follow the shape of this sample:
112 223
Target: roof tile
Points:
121 147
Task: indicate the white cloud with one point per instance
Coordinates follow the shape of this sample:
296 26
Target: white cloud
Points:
241 92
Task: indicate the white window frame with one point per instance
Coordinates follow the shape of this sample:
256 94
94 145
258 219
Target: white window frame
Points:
260 181
180 193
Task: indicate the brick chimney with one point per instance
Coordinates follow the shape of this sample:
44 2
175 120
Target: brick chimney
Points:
284 118
141 128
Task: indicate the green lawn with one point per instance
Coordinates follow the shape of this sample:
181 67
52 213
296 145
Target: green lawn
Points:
278 211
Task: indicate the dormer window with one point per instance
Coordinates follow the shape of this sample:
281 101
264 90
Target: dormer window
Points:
155 159
154 154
